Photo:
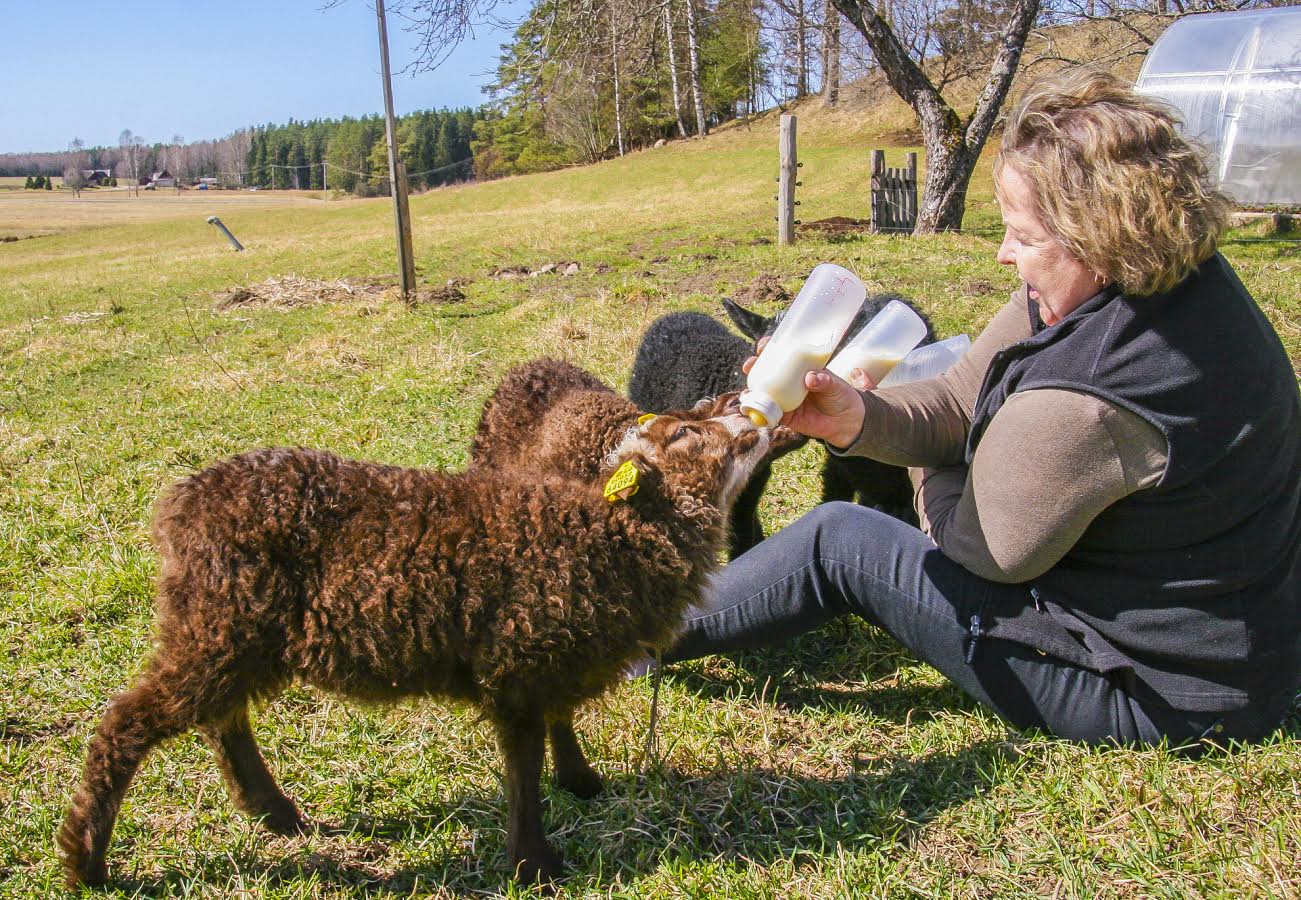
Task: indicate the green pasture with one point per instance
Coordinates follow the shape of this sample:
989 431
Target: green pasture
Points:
837 766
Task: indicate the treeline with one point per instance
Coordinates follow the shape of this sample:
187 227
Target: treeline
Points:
585 80
352 155
187 161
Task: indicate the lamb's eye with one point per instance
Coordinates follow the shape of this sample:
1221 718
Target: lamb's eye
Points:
680 434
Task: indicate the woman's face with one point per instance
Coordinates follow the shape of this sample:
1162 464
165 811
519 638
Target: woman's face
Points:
1058 281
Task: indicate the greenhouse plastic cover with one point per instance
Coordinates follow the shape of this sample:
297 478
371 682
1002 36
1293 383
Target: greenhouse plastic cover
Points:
1236 80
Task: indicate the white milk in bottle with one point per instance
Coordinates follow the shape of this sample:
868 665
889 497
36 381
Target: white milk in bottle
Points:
881 345
804 341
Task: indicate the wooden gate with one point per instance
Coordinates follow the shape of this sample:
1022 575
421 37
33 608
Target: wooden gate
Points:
894 194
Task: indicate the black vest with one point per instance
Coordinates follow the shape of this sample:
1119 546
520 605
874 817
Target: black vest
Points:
1193 585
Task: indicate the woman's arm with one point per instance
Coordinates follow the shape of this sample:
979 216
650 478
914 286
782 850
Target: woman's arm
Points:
925 423
1049 463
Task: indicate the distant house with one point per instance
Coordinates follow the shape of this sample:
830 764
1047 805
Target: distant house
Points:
163 179
97 177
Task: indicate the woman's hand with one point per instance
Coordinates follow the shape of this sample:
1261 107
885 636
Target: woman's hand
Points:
833 411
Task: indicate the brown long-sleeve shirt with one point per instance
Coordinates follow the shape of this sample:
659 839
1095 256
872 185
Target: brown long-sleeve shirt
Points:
1048 463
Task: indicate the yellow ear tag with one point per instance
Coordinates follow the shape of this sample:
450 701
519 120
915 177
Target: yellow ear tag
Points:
623 483
643 419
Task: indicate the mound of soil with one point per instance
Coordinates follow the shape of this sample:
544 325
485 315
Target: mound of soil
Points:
838 225
450 293
763 289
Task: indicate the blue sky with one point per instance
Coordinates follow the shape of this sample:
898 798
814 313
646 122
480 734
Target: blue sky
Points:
203 68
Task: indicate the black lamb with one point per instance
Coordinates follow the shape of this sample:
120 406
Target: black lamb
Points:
687 356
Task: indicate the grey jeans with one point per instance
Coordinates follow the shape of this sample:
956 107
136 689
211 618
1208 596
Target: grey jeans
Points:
843 558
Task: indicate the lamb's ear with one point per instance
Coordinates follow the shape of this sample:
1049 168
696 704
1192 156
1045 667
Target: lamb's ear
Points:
634 480
752 324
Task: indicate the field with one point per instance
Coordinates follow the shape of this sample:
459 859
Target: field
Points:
836 766
26 214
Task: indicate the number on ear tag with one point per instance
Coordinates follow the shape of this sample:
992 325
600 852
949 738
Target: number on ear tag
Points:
623 483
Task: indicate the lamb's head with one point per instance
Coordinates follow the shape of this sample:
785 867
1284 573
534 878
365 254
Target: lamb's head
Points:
696 465
781 440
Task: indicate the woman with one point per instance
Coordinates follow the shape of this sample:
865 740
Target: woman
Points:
1109 482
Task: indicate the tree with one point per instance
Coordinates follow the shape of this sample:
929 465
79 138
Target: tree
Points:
74 173
693 58
132 147
831 56
952 144
673 67
74 178
28 185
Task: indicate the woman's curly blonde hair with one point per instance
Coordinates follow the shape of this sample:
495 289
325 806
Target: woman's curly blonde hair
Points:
1114 181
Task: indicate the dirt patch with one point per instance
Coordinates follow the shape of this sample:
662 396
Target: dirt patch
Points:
764 289
978 288
701 283
560 267
603 269
449 293
838 225
292 291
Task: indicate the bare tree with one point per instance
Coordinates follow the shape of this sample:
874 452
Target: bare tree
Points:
74 179
693 54
131 146
831 56
614 63
952 144
673 67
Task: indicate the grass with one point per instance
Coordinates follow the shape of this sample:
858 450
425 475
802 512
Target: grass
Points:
837 766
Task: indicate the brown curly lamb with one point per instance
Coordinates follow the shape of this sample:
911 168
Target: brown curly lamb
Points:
523 595
551 416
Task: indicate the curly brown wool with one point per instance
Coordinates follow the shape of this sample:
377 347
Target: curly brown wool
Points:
524 594
551 416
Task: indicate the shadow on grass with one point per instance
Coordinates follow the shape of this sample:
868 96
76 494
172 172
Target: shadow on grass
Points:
667 818
843 663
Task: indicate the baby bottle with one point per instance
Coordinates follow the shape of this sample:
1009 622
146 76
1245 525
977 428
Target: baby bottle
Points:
929 361
804 341
881 345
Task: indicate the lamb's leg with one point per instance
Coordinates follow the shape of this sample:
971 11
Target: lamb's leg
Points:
523 744
573 773
251 784
747 531
136 721
836 481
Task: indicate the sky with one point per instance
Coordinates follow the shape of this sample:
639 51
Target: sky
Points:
202 69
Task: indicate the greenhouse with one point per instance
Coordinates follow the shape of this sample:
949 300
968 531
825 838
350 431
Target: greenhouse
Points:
1236 80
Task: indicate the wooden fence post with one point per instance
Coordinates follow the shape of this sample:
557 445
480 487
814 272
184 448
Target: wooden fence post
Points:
879 208
786 182
910 192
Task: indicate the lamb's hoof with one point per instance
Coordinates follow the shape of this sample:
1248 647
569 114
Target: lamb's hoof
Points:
542 866
584 784
285 821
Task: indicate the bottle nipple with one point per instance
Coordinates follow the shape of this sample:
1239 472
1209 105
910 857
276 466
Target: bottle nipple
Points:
758 418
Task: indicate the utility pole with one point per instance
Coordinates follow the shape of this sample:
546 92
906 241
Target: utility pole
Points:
396 172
